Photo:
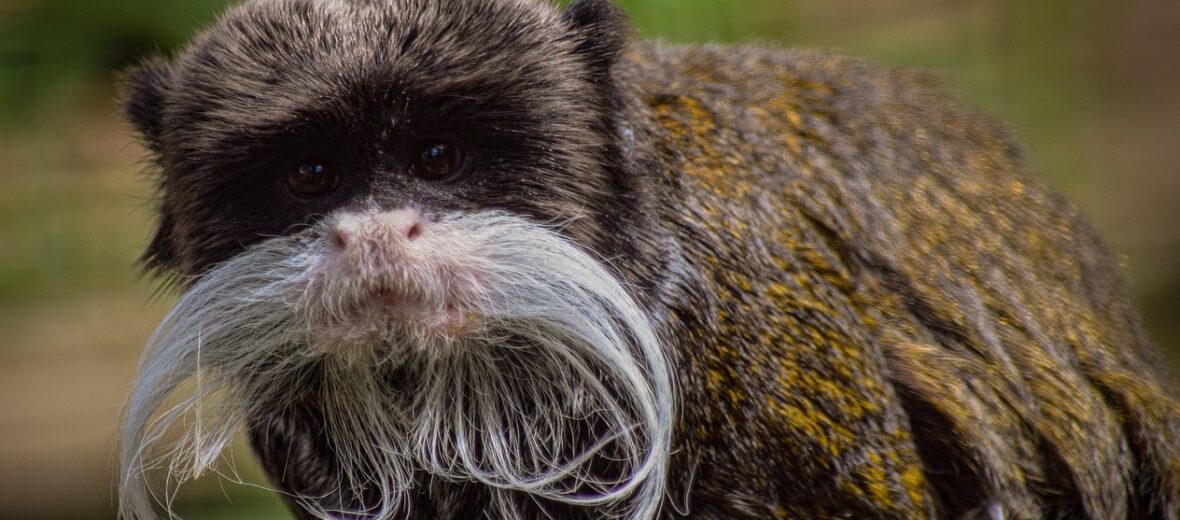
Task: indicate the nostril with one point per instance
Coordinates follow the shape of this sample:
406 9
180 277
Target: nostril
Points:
340 238
406 223
414 232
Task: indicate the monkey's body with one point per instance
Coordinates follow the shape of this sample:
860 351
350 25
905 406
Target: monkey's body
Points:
879 315
866 308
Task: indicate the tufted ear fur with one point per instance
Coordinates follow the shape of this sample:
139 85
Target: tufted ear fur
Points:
601 31
144 92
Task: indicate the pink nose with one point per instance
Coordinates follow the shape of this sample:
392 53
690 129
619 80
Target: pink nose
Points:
377 231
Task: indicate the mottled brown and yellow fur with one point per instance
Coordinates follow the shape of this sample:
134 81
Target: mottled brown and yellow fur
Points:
885 316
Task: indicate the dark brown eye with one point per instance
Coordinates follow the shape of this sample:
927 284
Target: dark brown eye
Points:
312 179
437 160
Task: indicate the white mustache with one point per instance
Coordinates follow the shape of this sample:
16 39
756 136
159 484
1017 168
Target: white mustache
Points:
561 338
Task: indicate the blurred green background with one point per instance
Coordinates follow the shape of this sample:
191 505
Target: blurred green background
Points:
1091 86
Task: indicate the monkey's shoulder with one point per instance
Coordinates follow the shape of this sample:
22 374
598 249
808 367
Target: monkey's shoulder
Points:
859 237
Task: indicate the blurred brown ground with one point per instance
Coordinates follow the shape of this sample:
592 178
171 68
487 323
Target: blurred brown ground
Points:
1092 87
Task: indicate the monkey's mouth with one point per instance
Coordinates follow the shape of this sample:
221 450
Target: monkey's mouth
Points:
445 318
382 313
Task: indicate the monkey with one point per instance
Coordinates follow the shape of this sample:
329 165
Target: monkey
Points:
452 259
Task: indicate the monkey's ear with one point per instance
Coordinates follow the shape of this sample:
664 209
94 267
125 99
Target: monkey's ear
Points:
144 92
601 31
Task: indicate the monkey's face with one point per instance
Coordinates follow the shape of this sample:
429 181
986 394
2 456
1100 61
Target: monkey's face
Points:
289 112
390 213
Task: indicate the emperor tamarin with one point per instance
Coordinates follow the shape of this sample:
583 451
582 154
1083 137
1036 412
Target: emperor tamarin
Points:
454 259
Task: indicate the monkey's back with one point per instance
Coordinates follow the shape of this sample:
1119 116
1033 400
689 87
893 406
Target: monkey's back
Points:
883 315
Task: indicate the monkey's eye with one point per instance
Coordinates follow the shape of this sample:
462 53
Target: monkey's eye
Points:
437 160
312 179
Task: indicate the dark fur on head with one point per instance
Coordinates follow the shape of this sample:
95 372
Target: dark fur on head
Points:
529 93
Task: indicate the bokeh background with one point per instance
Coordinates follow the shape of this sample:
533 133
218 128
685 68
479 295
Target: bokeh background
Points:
1091 86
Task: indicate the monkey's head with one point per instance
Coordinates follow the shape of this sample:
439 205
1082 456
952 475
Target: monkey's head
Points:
394 214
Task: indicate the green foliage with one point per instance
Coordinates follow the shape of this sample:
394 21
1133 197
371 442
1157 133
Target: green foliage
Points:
51 50
710 20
